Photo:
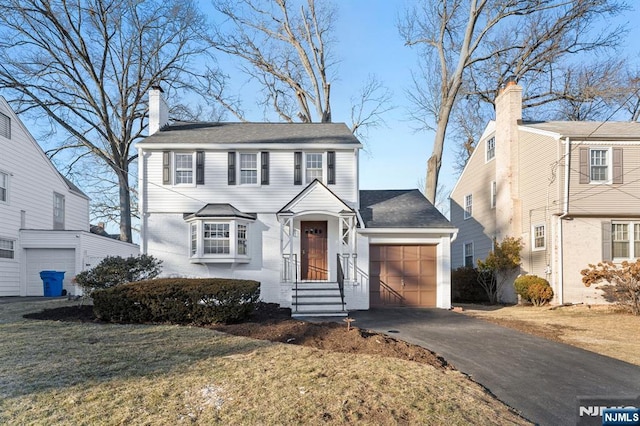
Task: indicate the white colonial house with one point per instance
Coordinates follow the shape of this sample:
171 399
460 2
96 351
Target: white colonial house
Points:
280 203
44 218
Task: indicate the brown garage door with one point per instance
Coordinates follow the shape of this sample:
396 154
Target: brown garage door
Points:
402 275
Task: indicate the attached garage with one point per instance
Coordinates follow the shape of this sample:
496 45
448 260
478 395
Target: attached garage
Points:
403 275
48 259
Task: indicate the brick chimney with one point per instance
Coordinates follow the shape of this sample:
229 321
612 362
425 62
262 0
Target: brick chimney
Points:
508 116
158 110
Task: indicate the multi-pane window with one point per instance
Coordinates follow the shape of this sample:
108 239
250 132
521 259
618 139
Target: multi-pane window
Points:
620 240
4 187
184 168
636 239
242 239
491 148
7 249
539 237
5 126
313 167
58 211
599 165
194 238
494 193
248 168
468 255
216 238
468 206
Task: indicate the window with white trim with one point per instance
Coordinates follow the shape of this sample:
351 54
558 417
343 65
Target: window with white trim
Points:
5 126
4 187
7 249
468 206
183 174
620 240
216 238
242 239
313 166
599 165
491 149
468 254
494 194
248 168
538 234
194 238
58 211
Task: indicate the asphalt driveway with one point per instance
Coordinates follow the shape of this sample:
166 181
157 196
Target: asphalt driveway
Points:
539 378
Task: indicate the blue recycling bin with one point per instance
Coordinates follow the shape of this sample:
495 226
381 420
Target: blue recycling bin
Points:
52 282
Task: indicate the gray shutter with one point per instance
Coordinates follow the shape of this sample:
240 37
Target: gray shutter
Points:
617 165
231 176
297 168
166 167
331 167
606 241
199 167
585 176
264 178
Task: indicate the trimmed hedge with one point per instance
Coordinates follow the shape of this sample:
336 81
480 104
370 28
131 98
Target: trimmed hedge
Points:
534 289
178 301
465 286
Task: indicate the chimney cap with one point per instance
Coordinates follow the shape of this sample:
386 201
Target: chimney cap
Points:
157 87
512 80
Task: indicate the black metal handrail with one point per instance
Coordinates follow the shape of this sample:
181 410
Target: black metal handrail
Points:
341 280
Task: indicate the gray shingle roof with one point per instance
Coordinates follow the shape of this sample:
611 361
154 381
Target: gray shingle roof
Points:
404 208
220 210
232 133
589 129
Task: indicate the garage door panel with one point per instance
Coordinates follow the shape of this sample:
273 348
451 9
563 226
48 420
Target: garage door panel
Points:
403 275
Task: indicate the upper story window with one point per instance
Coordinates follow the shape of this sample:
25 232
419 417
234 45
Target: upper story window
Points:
7 249
4 187
539 237
491 148
468 206
313 167
248 169
5 126
58 211
183 168
468 254
599 165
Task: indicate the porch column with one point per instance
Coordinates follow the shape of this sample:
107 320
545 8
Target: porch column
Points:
348 250
286 246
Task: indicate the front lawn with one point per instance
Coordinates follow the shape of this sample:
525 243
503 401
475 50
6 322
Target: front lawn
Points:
89 373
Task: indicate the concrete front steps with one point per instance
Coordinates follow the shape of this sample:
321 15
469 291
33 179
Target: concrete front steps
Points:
317 299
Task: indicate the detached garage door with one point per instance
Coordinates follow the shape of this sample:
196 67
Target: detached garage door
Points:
48 260
402 275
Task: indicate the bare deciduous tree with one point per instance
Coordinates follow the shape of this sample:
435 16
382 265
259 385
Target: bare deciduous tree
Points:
285 45
478 44
87 65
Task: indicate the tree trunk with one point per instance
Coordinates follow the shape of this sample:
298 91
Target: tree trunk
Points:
435 161
125 205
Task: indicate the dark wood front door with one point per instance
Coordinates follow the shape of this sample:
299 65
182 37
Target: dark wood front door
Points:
313 263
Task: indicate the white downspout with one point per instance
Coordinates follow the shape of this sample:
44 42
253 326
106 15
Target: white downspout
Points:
565 213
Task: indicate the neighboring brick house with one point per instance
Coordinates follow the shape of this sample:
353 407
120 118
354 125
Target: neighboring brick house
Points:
280 203
569 189
44 218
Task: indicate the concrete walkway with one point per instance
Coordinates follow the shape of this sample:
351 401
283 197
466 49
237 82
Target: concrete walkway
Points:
539 378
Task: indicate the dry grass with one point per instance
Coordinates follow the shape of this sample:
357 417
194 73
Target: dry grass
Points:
603 329
81 374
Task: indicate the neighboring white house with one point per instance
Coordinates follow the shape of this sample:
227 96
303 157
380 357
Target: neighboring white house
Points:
569 189
280 203
44 218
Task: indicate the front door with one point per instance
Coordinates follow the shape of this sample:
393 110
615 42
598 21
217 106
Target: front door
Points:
313 263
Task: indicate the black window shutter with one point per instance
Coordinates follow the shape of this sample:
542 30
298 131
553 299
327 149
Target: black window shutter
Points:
297 168
166 167
264 180
606 241
617 165
199 167
232 169
331 167
585 176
